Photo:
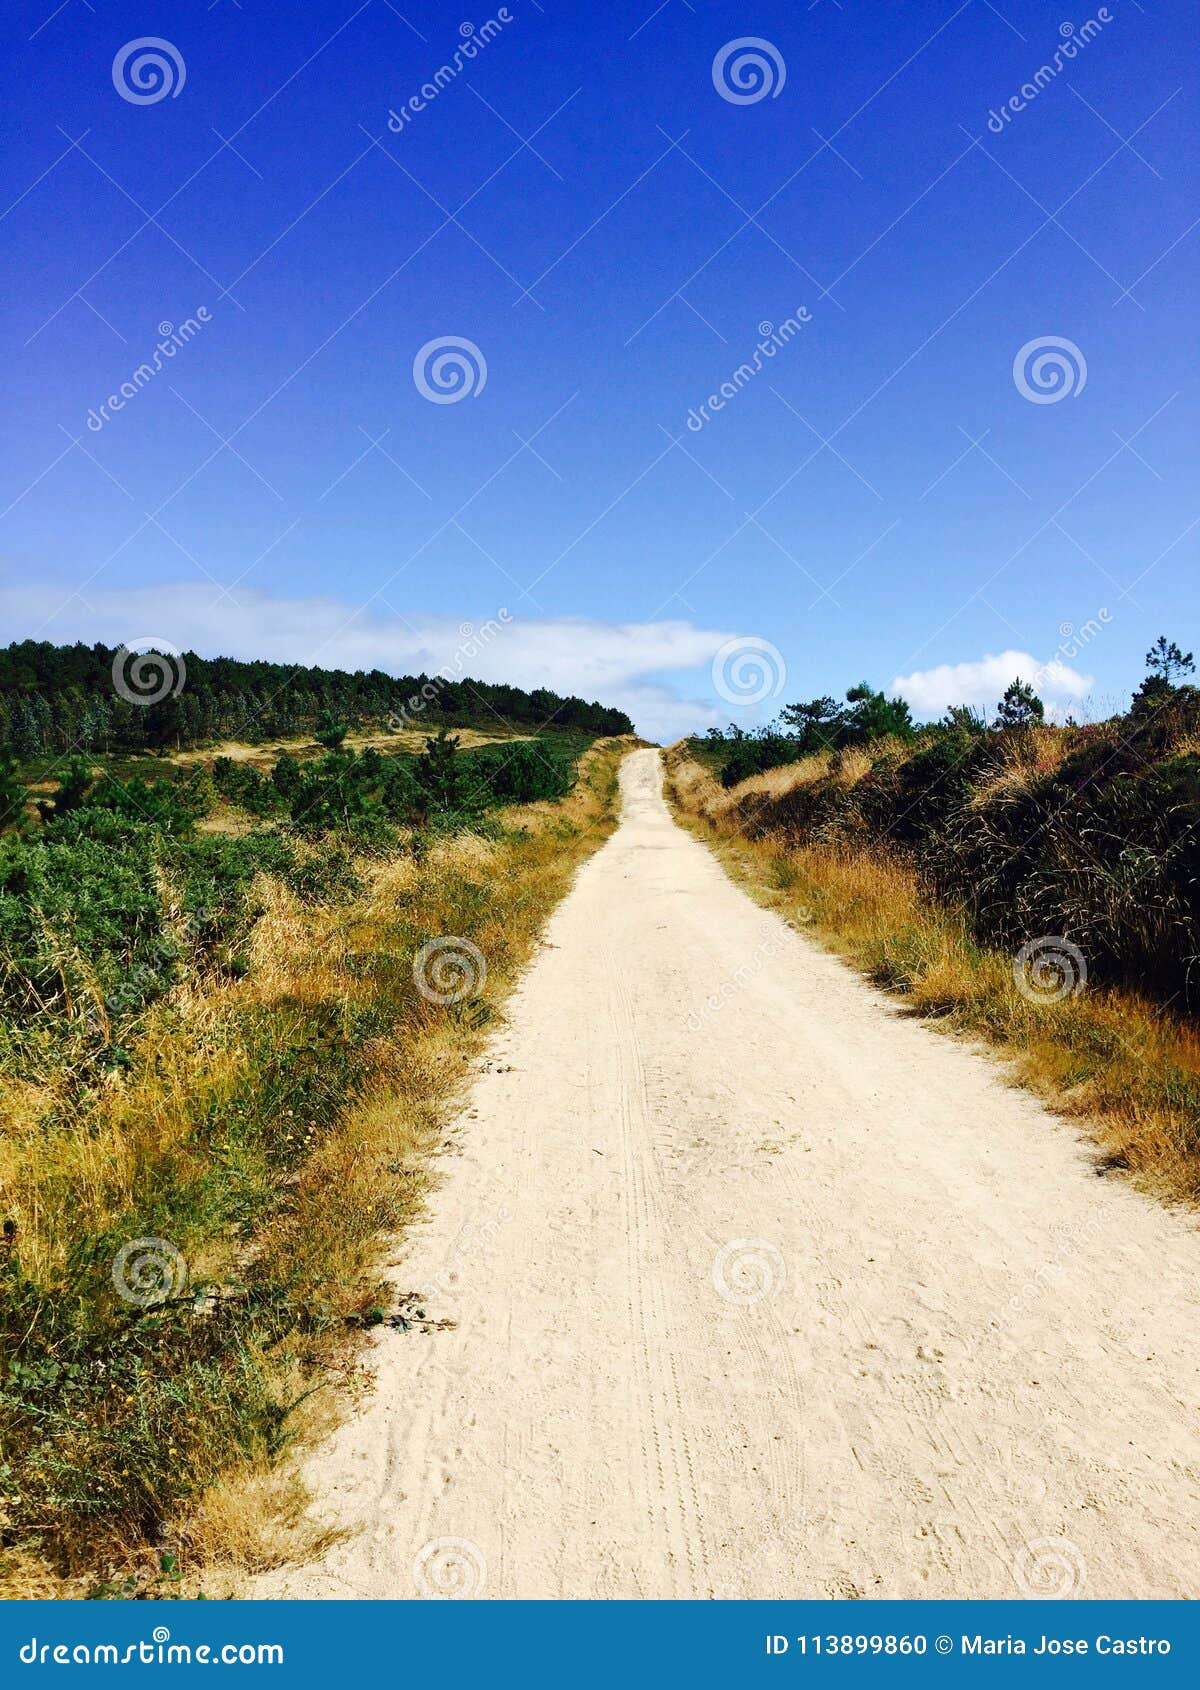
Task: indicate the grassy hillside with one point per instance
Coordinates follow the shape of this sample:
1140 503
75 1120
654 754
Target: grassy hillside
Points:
238 1001
1025 830
1037 885
57 700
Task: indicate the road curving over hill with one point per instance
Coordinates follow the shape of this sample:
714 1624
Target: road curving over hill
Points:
738 1282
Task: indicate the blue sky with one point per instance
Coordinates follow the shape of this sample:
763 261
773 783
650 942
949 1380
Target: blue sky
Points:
582 205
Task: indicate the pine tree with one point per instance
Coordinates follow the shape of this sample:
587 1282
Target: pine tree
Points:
1167 663
438 773
26 738
13 795
73 786
329 732
1020 707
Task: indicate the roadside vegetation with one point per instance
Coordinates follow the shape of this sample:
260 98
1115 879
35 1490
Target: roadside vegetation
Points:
1035 884
224 1068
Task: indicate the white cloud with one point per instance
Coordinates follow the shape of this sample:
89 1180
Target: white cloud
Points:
982 683
613 662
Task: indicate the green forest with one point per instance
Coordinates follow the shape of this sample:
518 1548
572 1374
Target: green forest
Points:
61 699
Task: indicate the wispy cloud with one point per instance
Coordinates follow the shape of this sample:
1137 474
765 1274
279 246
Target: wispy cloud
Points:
619 663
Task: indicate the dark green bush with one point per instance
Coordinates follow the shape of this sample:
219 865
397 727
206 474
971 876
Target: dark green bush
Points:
1100 842
521 771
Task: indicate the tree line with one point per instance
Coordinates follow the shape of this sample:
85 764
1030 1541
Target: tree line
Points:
61 699
826 724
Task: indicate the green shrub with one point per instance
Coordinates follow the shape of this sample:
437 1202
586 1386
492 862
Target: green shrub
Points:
1090 832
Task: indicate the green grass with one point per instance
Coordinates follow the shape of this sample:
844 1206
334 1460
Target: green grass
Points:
263 1103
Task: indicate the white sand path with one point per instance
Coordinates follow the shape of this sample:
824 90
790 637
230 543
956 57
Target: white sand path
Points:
966 1342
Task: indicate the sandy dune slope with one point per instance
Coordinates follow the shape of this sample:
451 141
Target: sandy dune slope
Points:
755 1288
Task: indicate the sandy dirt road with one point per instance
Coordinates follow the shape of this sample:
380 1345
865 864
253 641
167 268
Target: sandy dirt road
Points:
761 1289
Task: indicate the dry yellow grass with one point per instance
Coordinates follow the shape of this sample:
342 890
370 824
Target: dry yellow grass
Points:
345 1190
250 1523
775 782
1028 758
1127 1069
262 757
850 765
1186 744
